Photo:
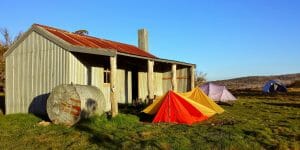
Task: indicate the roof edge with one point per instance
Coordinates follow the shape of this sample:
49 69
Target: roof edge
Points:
72 48
135 56
18 42
96 51
158 59
105 50
175 61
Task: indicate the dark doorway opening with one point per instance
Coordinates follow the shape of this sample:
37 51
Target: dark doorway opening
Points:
135 85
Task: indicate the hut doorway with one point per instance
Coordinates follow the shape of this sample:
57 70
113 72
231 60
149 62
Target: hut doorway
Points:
135 85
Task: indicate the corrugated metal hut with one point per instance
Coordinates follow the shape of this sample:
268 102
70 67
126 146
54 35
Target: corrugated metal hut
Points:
45 57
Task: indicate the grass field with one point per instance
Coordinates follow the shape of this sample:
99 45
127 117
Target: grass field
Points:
255 121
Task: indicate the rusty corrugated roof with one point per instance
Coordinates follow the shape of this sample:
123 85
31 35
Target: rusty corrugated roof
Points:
93 42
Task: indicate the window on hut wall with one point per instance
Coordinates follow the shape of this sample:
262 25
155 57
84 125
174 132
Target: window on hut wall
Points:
106 75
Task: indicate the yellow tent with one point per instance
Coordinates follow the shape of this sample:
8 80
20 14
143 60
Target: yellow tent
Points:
200 97
154 107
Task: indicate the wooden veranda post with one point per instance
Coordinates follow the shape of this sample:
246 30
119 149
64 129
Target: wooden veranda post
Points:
113 75
174 78
192 77
150 79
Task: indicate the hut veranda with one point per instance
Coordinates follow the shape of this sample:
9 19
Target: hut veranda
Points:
45 57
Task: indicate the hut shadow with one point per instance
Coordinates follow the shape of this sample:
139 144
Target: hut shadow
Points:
102 139
38 107
145 117
136 110
2 104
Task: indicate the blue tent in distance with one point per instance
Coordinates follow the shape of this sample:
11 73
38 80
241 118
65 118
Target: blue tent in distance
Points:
273 86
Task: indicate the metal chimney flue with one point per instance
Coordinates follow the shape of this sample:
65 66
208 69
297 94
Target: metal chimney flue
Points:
143 39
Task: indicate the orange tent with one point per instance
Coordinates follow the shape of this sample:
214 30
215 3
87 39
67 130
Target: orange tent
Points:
176 109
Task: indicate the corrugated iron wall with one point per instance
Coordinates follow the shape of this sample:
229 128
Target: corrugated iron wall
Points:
167 81
123 86
97 77
158 84
78 71
142 85
32 70
183 80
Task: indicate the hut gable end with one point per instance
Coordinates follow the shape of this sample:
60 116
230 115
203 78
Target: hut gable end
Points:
36 65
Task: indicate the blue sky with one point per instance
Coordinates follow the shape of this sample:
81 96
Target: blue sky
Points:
224 38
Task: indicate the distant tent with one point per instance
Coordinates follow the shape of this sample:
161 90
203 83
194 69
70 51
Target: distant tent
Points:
217 92
174 108
274 86
200 97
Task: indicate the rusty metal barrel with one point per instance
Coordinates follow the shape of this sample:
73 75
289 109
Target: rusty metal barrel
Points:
69 103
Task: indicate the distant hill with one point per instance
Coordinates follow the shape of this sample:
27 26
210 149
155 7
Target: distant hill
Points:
257 82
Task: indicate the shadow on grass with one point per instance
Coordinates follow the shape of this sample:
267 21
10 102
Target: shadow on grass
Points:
99 138
229 103
112 133
107 137
38 106
136 110
2 104
296 105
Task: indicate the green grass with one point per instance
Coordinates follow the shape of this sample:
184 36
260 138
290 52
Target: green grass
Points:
255 121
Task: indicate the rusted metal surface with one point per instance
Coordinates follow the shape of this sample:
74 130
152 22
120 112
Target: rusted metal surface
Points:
93 42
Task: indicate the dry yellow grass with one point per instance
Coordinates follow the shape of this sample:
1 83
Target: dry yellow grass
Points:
294 89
